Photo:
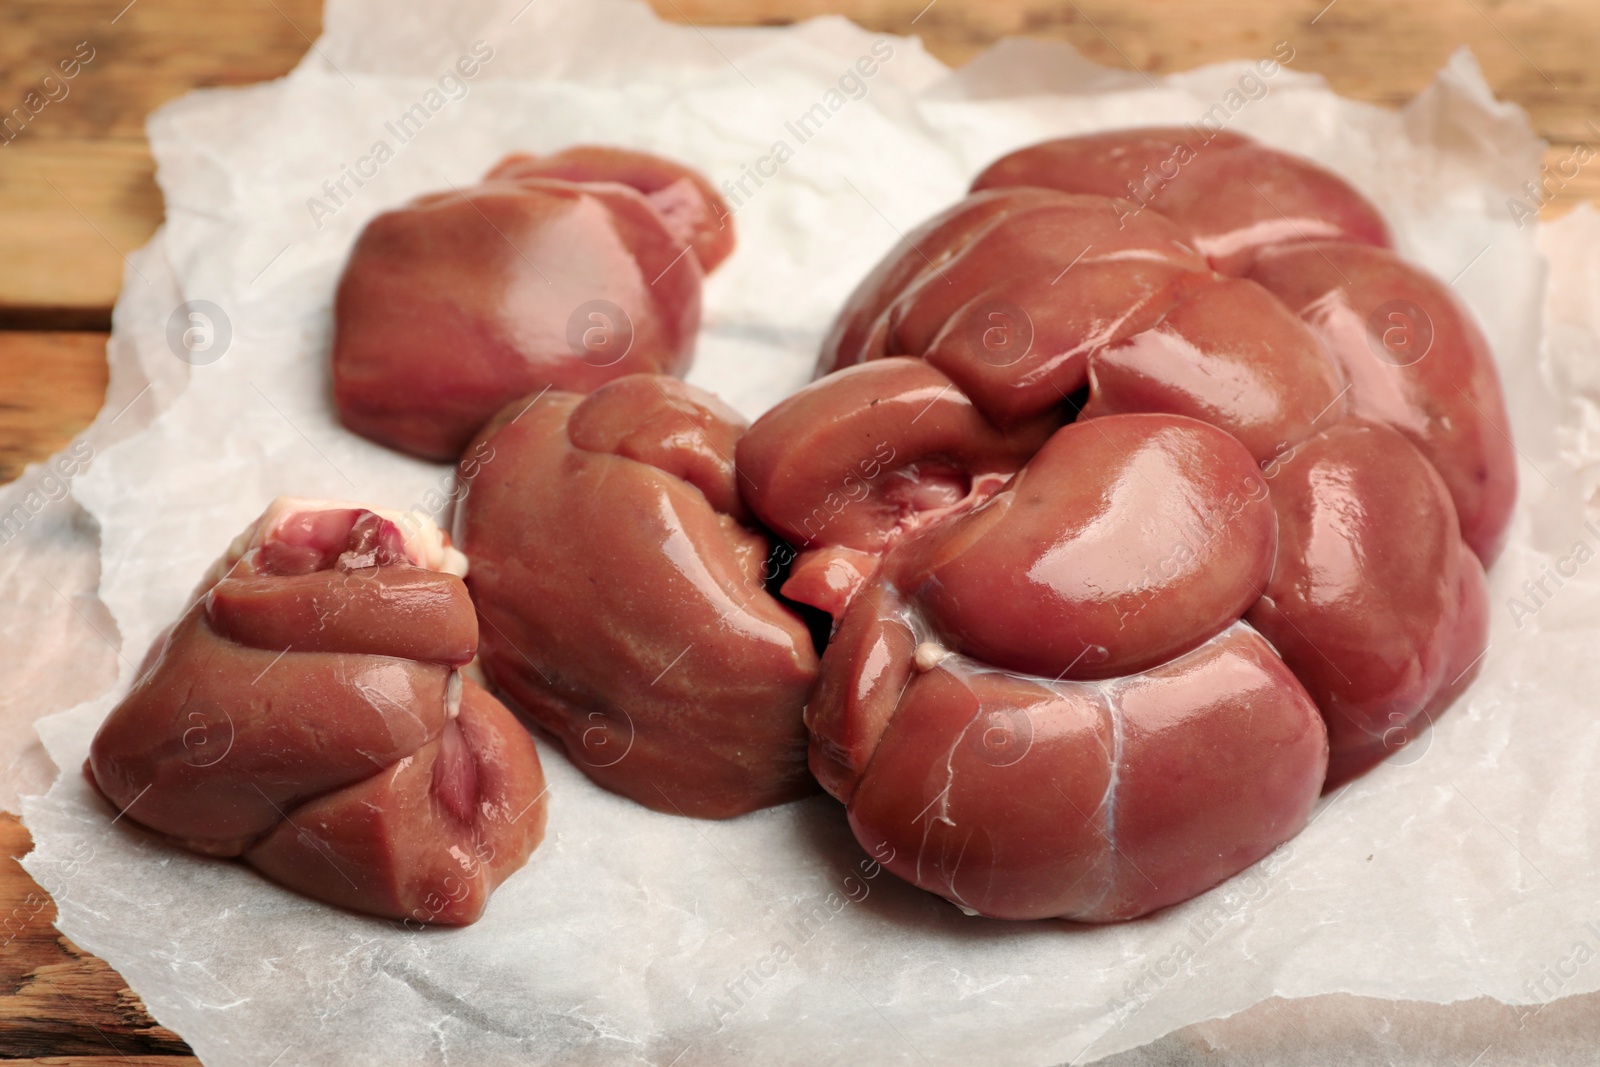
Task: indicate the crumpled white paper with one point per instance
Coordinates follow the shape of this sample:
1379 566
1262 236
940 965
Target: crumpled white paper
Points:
1466 867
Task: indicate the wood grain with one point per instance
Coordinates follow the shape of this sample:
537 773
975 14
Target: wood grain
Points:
55 999
105 1061
77 182
77 194
73 210
54 384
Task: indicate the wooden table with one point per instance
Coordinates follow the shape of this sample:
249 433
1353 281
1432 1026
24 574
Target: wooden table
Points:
77 193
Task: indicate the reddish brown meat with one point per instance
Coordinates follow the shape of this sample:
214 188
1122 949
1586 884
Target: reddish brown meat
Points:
1078 671
949 719
624 602
1227 353
876 450
695 214
1037 686
1010 292
1022 798
1137 536
1230 195
1416 361
562 272
308 715
1375 603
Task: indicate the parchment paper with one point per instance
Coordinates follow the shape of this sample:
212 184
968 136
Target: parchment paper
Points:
1467 867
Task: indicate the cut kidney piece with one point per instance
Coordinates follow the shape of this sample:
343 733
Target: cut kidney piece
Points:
429 837
308 714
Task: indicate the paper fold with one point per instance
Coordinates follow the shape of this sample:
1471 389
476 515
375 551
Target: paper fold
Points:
1468 868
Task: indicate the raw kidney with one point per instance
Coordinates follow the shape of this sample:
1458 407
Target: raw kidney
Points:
558 272
309 715
1231 196
1141 521
622 585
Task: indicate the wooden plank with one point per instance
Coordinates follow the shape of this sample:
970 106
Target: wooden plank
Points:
139 56
106 1061
77 184
55 999
77 193
73 210
1538 54
54 385
77 189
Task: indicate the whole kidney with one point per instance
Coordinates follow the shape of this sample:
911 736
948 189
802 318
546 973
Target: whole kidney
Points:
561 272
623 587
1142 517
